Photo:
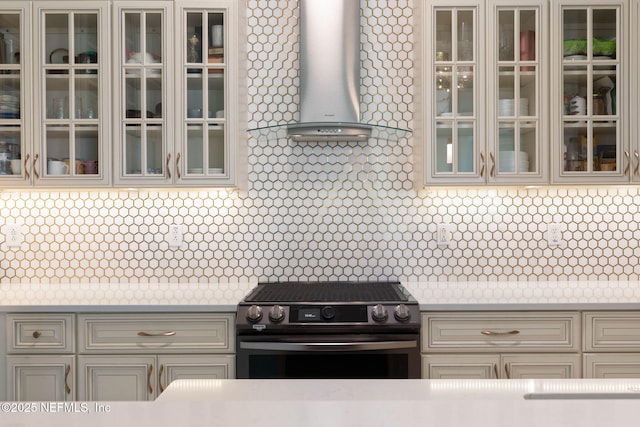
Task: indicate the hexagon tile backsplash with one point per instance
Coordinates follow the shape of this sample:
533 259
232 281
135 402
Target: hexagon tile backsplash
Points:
325 210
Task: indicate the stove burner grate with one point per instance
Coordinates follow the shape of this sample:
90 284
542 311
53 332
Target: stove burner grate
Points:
283 292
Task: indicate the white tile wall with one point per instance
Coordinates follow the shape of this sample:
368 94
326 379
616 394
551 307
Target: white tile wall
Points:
324 210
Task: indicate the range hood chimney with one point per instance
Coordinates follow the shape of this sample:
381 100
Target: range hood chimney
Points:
329 72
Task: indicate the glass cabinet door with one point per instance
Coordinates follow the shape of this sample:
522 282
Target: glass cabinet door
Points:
71 145
14 154
144 152
455 80
592 145
517 150
204 154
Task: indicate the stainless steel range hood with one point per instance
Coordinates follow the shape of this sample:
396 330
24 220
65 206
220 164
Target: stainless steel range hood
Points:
329 72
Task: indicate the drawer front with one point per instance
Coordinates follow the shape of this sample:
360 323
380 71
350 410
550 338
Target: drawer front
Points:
500 331
612 331
156 333
40 333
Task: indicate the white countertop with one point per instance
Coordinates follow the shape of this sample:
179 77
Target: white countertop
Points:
489 295
441 403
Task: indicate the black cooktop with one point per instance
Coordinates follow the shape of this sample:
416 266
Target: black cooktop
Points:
285 292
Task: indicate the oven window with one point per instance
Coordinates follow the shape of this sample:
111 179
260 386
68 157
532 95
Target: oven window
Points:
329 365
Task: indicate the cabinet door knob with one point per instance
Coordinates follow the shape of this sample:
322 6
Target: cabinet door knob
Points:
36 334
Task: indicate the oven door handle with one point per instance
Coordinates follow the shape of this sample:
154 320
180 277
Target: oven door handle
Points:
328 346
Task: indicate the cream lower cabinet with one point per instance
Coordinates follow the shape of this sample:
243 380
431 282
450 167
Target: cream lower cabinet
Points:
41 378
611 344
506 366
501 345
40 362
134 378
134 357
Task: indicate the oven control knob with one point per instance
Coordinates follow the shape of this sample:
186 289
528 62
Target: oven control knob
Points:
254 314
328 312
402 313
379 313
276 313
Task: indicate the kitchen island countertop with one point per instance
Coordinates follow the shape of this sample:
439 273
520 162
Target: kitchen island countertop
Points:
223 297
442 403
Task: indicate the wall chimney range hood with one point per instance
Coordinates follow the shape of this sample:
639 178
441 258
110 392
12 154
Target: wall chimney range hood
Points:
329 72
329 78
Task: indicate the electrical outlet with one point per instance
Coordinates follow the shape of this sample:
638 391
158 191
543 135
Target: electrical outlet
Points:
554 235
174 238
13 236
444 235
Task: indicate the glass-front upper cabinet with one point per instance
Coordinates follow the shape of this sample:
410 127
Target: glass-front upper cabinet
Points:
454 94
207 119
590 90
15 121
72 140
516 136
144 50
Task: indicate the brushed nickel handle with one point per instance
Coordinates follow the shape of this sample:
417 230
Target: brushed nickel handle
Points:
626 170
26 167
637 156
493 165
506 370
495 371
482 165
169 163
157 334
149 372
35 166
36 334
178 173
67 371
513 332
160 378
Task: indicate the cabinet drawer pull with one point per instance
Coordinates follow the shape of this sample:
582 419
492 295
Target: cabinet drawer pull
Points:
494 333
149 371
157 334
36 334
160 378
67 371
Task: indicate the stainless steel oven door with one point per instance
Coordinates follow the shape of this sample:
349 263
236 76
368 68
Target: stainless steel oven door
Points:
311 356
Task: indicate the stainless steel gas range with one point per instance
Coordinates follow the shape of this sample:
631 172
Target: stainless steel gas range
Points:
328 330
